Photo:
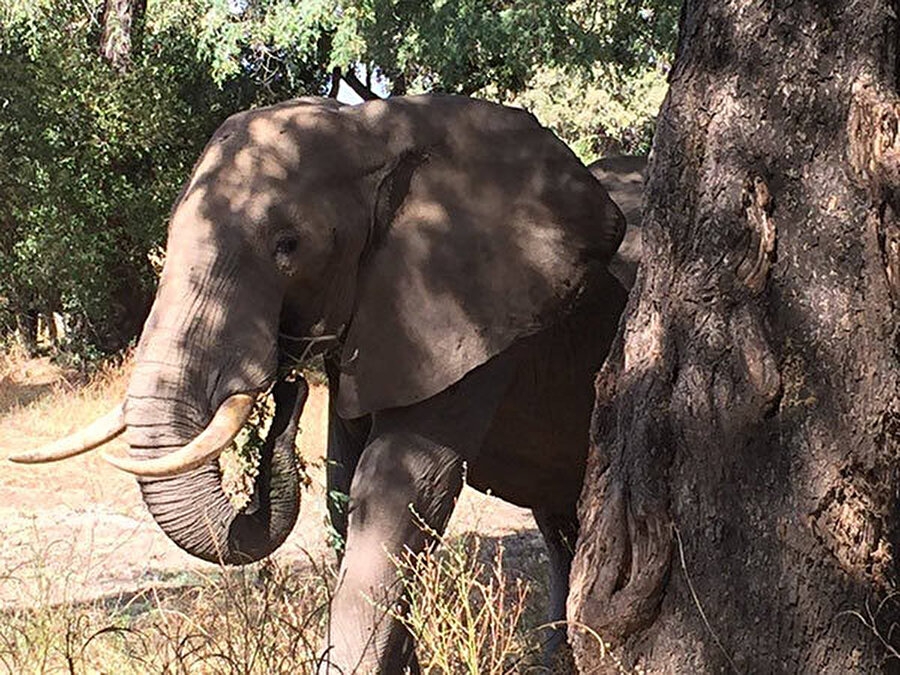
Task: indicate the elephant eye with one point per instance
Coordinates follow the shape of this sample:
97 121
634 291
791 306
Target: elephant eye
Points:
285 261
285 246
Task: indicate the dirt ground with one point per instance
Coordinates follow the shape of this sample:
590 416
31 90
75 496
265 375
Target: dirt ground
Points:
77 530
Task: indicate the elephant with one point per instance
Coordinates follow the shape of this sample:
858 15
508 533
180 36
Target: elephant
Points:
448 257
623 177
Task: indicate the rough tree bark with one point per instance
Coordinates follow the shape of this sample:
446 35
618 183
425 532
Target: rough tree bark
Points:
740 505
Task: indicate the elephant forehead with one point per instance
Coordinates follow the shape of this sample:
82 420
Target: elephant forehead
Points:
272 138
208 205
249 183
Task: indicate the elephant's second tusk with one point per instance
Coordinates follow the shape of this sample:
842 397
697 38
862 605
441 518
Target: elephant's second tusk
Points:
210 443
99 432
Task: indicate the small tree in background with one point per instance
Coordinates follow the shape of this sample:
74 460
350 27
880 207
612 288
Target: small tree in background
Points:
598 113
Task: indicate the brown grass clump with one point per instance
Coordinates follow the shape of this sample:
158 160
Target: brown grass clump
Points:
261 619
465 612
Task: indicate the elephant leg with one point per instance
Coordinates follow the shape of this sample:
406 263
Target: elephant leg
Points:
346 440
409 475
560 531
398 474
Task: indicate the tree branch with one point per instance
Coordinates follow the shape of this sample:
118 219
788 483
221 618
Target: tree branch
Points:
115 40
335 82
362 91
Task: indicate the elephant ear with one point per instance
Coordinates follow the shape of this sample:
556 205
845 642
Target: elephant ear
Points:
485 227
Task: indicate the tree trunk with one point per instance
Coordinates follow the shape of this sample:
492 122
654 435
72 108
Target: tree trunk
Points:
27 329
121 22
740 506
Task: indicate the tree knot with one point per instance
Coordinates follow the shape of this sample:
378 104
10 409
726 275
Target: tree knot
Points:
873 131
873 136
757 202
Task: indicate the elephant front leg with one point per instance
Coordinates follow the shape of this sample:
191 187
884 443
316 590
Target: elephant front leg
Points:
401 476
346 441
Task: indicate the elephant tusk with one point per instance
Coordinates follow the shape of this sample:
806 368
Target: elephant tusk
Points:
99 432
225 425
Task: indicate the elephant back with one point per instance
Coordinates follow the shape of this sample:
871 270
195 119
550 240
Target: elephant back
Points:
623 177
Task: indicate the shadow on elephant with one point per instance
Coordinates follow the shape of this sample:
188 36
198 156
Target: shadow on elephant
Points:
449 259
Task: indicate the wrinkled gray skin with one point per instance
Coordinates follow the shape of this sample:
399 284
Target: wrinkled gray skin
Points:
534 411
449 257
623 178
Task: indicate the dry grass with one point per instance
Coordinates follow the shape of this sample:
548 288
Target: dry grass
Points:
466 614
261 619
39 396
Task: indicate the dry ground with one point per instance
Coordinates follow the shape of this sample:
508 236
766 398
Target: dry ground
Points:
77 530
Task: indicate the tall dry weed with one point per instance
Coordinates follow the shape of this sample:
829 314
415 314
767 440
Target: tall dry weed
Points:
466 613
266 618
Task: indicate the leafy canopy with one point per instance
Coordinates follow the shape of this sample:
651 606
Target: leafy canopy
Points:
454 46
92 156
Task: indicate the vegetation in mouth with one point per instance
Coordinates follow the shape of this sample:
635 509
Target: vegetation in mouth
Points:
239 463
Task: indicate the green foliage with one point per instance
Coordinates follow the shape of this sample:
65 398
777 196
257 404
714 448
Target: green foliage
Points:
458 46
599 113
464 46
240 461
339 500
91 159
277 42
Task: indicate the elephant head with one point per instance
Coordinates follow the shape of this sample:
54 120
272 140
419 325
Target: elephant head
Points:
415 238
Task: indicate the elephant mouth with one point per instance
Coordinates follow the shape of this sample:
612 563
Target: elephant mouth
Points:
298 349
225 425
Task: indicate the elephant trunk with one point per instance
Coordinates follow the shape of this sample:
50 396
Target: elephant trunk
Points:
193 509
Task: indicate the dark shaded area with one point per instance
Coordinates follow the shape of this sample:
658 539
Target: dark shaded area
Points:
19 394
